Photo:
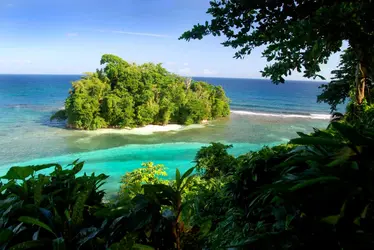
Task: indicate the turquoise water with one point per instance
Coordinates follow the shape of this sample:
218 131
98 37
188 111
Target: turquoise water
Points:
264 114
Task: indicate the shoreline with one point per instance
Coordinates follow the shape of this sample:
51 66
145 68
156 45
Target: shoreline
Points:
313 116
146 130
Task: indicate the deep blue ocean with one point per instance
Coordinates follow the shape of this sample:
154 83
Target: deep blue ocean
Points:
262 114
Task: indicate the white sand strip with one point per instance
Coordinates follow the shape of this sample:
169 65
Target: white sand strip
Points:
146 130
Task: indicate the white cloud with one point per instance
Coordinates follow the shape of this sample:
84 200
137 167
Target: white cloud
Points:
133 33
209 72
72 34
184 71
9 5
185 64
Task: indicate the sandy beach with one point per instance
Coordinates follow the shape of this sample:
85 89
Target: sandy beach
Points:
146 130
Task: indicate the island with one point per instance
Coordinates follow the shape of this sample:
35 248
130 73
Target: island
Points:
127 95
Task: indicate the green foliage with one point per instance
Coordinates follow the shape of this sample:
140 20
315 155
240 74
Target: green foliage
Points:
83 105
316 190
118 111
214 160
127 95
343 82
59 116
297 34
48 211
300 35
132 182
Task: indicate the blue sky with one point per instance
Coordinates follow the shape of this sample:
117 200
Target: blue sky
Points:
69 37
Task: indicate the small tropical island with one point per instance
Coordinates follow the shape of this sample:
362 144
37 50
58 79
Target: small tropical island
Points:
124 95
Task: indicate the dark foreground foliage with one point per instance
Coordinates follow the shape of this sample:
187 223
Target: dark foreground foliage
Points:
315 191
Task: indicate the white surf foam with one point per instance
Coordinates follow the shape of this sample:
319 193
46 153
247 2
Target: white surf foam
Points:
311 116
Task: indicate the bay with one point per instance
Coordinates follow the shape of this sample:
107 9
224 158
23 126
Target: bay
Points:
262 114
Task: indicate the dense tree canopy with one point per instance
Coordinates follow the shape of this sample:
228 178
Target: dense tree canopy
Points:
128 95
297 34
343 85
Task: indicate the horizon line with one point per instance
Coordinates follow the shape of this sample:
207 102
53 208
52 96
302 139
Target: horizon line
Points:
225 77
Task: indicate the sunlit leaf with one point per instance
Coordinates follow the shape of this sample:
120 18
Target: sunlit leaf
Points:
178 178
333 219
205 228
142 247
18 173
33 221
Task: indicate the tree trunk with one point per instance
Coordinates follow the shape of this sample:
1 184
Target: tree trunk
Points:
361 79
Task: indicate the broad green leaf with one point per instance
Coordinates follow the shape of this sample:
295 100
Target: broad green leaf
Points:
343 155
92 234
67 215
116 246
142 247
115 222
357 221
351 134
5 235
178 178
18 173
33 221
354 165
342 209
78 167
288 221
189 179
316 141
44 166
337 162
333 219
164 193
310 182
187 173
25 188
38 189
7 185
205 228
102 177
59 244
364 212
28 245
302 134
77 216
75 162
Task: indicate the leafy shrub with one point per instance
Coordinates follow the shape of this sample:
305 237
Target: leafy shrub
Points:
214 160
48 211
315 191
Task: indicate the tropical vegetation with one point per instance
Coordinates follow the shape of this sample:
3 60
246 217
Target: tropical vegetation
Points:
300 36
315 191
128 95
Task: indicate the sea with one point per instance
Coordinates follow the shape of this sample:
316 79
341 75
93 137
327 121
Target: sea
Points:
262 114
